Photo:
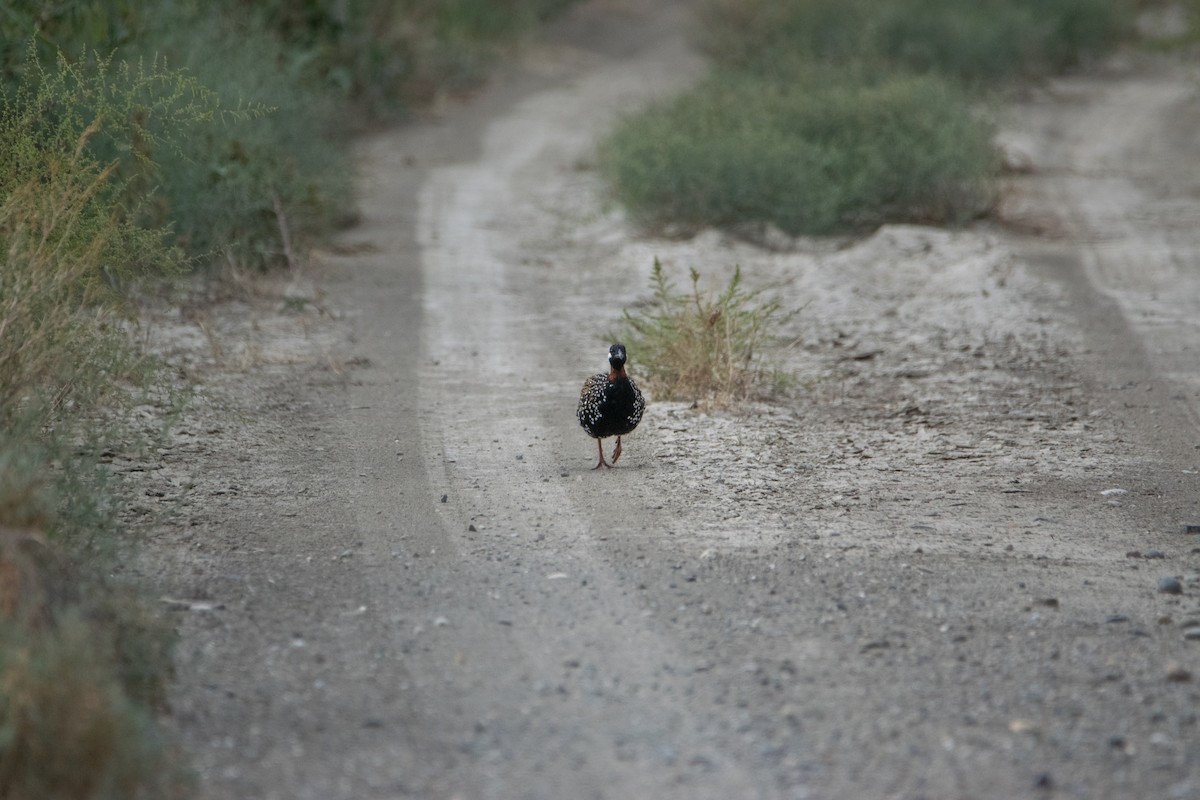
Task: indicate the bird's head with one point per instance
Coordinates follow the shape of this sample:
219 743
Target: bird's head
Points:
616 356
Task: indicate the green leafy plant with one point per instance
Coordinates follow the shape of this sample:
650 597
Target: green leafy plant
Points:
78 145
83 659
981 41
700 345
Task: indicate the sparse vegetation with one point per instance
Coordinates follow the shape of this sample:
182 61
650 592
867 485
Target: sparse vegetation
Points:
809 158
701 345
969 42
83 661
123 165
825 116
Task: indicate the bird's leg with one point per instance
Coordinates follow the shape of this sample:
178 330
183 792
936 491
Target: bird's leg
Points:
616 451
601 462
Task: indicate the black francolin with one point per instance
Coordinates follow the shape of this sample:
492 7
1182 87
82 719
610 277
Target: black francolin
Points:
610 404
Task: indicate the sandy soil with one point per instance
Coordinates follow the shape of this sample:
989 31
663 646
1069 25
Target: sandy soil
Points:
931 572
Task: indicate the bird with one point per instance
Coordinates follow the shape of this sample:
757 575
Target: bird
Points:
610 404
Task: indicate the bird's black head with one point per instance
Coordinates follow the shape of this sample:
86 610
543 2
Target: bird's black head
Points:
616 356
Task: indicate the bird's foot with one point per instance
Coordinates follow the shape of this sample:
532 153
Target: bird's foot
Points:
601 462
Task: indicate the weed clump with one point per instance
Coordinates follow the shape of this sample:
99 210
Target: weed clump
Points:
698 345
835 116
83 660
68 730
975 43
813 158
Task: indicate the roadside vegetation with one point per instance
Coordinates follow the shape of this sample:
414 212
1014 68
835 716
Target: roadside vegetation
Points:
700 345
834 116
828 117
143 142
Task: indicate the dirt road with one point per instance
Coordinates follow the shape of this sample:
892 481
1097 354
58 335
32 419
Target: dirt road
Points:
912 578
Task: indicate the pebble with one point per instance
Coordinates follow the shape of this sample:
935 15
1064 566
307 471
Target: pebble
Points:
1170 585
1115 618
1192 634
1190 527
1176 672
1154 554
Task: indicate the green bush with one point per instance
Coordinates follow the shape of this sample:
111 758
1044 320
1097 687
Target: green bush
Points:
260 184
70 230
83 660
995 40
986 40
69 730
837 115
810 159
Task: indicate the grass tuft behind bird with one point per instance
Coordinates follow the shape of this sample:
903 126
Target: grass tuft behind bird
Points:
706 346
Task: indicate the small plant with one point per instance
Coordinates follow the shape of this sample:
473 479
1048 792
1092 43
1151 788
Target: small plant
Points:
699 345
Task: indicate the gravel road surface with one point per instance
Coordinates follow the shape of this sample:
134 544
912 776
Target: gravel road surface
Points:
931 571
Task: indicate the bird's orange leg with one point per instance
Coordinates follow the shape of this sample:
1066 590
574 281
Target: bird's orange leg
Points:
601 462
616 451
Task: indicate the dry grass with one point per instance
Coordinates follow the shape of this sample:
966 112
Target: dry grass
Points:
705 346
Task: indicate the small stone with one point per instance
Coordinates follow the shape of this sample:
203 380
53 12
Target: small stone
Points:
1048 602
1170 585
471 528
1192 634
1190 527
1043 781
1154 554
445 498
1176 672
1113 619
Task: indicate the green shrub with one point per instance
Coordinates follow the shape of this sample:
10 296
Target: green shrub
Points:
986 40
385 56
775 38
83 660
68 27
68 728
810 159
699 345
994 40
263 183
69 226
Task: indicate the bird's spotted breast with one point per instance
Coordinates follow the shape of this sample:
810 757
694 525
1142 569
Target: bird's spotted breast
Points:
609 407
